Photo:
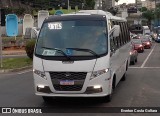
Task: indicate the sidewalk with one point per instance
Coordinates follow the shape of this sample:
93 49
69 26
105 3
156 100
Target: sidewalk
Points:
13 52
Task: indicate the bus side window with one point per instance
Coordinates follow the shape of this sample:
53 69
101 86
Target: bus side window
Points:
113 46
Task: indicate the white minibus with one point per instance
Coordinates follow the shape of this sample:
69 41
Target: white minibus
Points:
84 54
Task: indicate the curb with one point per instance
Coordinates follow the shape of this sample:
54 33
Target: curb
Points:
15 70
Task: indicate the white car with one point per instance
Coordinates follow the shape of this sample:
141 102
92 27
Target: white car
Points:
150 38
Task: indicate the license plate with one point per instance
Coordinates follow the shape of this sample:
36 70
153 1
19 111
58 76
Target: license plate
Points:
66 82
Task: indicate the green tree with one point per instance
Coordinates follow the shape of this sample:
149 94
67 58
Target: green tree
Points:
143 9
89 4
157 13
149 15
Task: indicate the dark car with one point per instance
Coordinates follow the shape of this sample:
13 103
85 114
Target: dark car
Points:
133 55
157 39
146 43
138 45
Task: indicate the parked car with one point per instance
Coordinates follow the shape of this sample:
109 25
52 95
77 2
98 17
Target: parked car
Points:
138 45
133 55
146 42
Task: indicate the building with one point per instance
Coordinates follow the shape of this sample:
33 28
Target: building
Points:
138 4
157 1
148 4
98 4
144 4
107 4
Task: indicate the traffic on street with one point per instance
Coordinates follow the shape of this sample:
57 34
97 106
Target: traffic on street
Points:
141 88
80 56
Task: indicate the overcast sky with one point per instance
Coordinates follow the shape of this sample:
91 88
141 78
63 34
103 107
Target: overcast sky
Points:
126 1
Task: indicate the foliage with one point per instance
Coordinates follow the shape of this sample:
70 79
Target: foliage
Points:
149 15
143 9
17 11
157 13
13 63
89 4
30 48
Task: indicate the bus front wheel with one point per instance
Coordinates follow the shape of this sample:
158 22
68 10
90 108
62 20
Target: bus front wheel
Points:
108 98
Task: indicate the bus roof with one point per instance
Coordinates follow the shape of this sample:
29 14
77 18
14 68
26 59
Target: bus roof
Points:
90 14
74 17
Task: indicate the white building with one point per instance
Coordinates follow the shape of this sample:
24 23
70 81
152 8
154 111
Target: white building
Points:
106 4
139 4
148 4
98 4
157 1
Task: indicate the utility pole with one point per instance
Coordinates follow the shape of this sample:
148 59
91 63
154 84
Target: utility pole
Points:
1 47
1 40
154 13
68 5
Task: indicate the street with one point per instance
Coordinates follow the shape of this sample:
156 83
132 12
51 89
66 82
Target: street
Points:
141 88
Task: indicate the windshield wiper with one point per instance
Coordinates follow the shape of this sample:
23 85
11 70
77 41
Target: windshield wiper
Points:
59 51
85 50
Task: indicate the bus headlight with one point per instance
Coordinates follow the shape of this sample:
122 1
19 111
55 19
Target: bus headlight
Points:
98 73
40 73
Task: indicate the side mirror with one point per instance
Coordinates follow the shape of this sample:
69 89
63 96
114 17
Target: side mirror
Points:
115 30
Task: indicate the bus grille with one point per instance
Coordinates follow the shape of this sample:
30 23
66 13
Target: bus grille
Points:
77 77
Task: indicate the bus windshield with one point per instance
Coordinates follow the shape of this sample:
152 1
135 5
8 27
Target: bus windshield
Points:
74 38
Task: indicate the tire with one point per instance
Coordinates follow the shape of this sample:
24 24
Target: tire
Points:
108 98
47 99
142 51
133 62
123 77
136 60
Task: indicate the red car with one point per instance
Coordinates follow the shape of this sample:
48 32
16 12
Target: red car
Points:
138 45
146 43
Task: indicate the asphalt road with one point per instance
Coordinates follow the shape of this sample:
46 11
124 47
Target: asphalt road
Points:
141 88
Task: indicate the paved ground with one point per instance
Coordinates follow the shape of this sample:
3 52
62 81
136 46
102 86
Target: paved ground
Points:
141 89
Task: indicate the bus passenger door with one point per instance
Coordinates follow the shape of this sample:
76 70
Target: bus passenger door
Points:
114 57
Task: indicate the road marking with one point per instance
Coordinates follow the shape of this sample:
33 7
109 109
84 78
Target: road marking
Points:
147 57
145 67
24 72
134 67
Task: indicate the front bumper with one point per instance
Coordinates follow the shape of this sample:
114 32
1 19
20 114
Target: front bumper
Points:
147 46
139 49
103 80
